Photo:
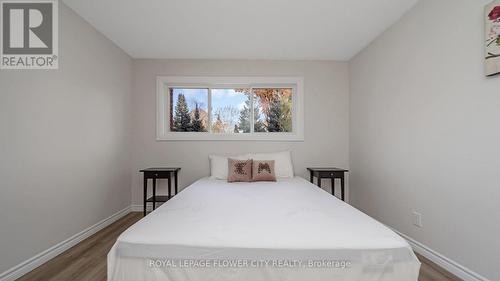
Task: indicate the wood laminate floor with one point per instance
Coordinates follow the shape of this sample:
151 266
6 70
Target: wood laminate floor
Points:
87 260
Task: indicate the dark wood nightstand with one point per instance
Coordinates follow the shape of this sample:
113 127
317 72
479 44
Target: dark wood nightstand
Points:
159 173
329 173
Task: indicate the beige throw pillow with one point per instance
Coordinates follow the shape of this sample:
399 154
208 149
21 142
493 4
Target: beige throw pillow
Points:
263 170
239 170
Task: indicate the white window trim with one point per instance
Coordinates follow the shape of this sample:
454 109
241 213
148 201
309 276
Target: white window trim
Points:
162 105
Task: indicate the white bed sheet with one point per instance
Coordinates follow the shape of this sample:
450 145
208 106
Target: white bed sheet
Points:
287 220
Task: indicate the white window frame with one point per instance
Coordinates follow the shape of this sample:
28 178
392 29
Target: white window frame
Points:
163 132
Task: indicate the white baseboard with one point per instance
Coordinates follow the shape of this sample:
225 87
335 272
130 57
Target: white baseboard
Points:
448 264
137 208
43 257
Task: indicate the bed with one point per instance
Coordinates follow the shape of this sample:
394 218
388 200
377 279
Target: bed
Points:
284 230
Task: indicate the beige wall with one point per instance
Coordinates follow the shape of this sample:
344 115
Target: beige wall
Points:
326 87
64 145
425 133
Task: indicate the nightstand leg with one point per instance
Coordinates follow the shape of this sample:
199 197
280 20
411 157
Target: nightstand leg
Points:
342 187
333 186
175 182
145 194
319 182
169 185
154 193
311 176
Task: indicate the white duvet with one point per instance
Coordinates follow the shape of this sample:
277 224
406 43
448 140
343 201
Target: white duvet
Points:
284 230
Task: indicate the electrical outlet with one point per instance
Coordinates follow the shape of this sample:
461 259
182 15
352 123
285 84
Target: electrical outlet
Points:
417 219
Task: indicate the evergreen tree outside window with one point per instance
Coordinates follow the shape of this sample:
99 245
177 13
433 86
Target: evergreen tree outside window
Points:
274 107
246 115
196 123
188 110
182 120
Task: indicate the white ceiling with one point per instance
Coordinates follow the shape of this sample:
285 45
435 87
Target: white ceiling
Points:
242 29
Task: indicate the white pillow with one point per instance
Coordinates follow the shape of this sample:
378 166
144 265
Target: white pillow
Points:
219 165
283 166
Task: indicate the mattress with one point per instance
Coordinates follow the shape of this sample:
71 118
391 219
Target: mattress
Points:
284 230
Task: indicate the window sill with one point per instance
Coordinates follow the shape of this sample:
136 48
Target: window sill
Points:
279 137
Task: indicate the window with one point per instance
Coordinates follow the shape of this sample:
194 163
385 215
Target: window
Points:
273 109
229 111
230 108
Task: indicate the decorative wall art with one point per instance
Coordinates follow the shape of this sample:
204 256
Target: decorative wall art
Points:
492 54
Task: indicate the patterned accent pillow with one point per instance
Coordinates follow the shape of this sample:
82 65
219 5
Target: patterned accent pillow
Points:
263 170
239 170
